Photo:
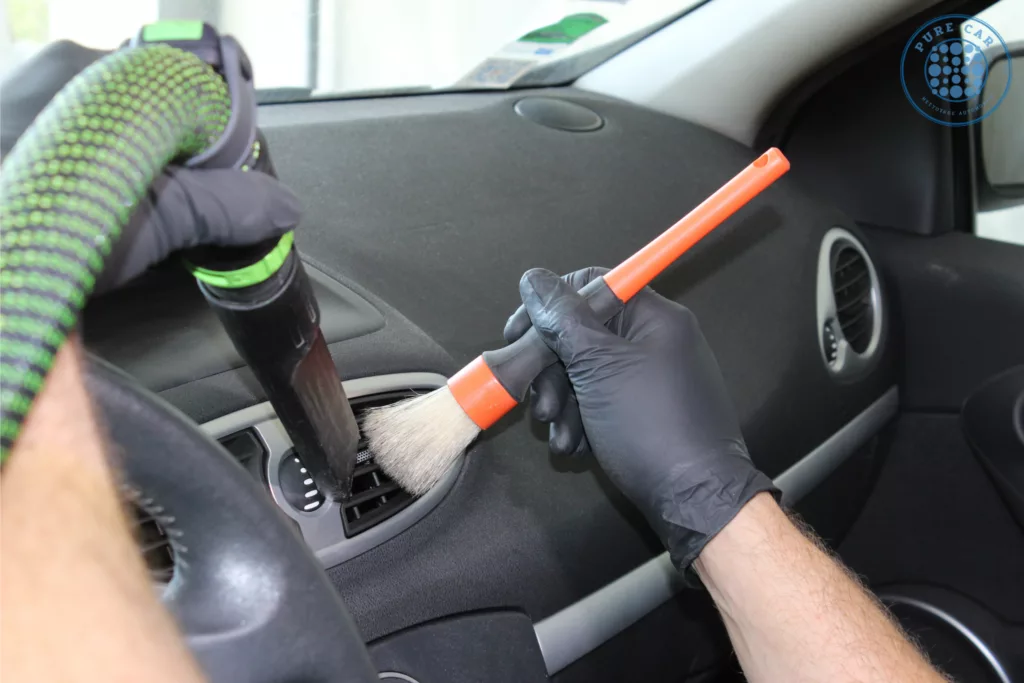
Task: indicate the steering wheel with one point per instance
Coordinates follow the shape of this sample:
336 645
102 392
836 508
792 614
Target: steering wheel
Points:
250 598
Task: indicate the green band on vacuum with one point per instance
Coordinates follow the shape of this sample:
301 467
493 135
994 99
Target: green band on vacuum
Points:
172 29
250 275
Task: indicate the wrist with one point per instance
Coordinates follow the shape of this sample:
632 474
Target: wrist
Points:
757 524
696 506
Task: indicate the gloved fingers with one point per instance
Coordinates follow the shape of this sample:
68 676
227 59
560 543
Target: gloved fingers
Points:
224 207
552 400
517 325
566 435
549 393
519 322
578 279
186 208
560 315
648 315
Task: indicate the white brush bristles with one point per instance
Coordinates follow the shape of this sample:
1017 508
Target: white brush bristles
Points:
416 441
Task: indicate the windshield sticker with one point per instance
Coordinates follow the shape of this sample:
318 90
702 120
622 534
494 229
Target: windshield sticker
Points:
537 47
567 31
496 73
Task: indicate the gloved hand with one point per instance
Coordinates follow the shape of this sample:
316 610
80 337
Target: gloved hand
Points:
651 403
184 208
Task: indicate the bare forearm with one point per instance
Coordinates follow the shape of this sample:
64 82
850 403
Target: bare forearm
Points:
794 614
77 603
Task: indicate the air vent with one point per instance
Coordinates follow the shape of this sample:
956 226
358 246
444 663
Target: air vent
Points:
851 286
154 545
375 497
150 536
379 509
849 304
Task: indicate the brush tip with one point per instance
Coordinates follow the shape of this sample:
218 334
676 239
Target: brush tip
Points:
416 441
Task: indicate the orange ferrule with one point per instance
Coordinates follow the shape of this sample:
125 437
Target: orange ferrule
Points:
480 394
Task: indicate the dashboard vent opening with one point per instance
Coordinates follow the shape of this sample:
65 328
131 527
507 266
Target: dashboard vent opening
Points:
375 496
156 548
851 286
850 306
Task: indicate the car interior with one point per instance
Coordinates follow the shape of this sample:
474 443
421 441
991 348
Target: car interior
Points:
870 333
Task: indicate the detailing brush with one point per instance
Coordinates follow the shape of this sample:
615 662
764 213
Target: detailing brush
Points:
418 440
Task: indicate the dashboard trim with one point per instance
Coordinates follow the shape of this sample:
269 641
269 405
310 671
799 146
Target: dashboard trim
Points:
322 528
578 629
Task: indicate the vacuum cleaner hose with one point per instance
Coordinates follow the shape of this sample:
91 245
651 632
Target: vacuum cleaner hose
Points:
70 186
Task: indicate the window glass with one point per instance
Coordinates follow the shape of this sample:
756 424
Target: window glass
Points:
305 48
999 138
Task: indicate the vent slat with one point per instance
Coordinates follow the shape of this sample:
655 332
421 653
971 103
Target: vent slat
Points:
857 335
385 488
851 286
364 469
154 546
375 496
856 316
845 260
852 280
855 326
847 305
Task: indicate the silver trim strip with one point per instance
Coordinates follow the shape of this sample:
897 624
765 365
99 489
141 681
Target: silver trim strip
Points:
571 633
354 388
581 627
809 471
958 626
322 529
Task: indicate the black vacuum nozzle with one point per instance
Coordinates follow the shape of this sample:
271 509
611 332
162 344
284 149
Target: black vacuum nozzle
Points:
275 326
261 293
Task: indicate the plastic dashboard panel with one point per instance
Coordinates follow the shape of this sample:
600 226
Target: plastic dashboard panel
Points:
430 208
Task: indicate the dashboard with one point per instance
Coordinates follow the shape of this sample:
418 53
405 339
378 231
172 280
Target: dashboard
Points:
420 215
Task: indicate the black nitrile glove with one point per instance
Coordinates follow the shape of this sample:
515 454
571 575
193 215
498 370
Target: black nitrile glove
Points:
652 403
187 208
183 208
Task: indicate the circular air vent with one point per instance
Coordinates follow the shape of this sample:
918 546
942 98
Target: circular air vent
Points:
850 315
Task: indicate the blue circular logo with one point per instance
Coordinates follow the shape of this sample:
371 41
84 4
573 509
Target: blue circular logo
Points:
946 74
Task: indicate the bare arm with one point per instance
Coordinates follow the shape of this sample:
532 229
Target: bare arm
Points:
77 602
794 614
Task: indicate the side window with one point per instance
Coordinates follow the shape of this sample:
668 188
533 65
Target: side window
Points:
998 139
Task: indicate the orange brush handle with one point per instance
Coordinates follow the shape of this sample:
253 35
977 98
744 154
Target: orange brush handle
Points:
636 272
497 381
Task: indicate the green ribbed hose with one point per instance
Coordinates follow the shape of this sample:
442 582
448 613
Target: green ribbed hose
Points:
71 184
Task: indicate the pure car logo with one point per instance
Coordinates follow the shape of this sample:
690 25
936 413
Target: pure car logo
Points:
945 70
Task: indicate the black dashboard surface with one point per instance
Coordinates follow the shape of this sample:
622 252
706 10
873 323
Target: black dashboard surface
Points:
430 208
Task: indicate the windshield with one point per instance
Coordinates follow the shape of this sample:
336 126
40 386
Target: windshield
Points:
315 48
